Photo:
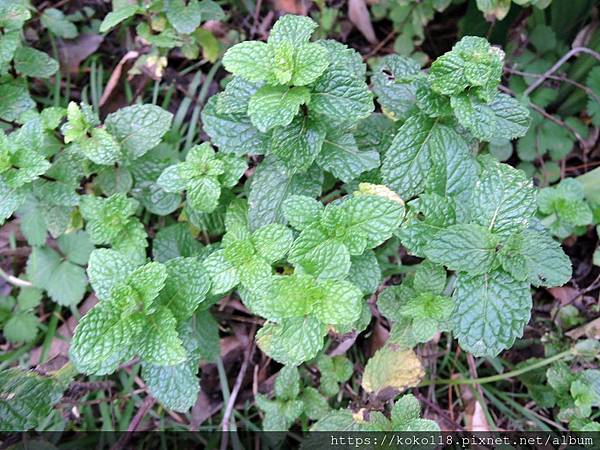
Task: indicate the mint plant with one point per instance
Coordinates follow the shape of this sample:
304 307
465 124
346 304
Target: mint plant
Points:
202 176
169 25
18 61
473 215
294 100
306 208
564 209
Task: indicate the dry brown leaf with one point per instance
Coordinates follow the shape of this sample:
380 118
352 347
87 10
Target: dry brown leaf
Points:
72 52
590 330
475 419
290 6
359 16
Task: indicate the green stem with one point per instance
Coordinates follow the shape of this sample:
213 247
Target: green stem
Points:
502 376
50 333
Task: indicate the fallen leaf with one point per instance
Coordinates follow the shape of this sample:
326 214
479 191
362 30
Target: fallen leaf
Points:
290 6
73 51
391 371
359 16
475 419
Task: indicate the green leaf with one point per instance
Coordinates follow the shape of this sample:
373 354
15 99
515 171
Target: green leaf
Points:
159 341
300 211
491 312
292 29
138 128
546 263
271 184
365 272
503 118
185 287
311 60
57 23
292 341
177 386
430 277
117 16
13 198
393 84
184 18
406 416
15 100
104 338
174 241
26 397
65 282
22 327
106 269
503 199
342 157
250 60
13 14
465 247
340 303
315 405
232 132
418 143
287 383
223 274
341 97
274 106
298 144
272 241
471 62
34 63
593 104
101 147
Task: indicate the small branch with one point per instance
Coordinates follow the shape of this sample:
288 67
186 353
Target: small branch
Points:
225 423
584 88
556 66
135 423
14 280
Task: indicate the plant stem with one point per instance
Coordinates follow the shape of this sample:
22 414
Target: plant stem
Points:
14 280
502 376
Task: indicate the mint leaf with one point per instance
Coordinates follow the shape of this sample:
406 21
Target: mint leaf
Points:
104 339
34 63
393 84
138 128
502 118
465 247
117 16
106 269
250 60
341 156
292 341
298 144
274 106
491 312
300 211
504 199
271 184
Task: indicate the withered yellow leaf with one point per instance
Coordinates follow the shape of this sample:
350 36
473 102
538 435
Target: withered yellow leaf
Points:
392 370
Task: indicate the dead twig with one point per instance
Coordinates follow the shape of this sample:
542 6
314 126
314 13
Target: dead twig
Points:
225 424
574 51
